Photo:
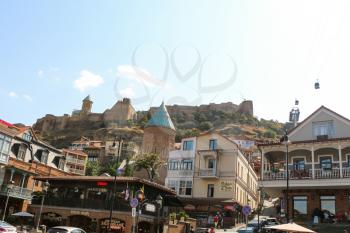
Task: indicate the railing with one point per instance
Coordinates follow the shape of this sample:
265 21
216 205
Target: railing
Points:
346 172
320 173
77 171
4 158
76 161
16 192
180 172
208 173
327 173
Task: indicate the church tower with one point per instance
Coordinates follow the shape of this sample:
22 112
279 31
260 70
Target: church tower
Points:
86 107
159 137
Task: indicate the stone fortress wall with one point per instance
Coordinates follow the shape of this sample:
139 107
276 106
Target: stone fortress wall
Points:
119 114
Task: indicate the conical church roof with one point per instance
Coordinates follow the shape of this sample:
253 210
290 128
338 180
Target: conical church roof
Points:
161 118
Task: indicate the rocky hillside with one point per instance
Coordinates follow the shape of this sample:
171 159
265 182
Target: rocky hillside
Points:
228 118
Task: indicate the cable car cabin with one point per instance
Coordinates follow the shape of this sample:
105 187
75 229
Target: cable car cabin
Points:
317 85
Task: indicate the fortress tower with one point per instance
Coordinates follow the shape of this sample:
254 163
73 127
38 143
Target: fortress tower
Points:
86 107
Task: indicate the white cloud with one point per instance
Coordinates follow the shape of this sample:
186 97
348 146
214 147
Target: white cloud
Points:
87 80
13 94
40 73
138 74
127 92
27 97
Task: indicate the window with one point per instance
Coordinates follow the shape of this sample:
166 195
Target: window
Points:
187 164
211 163
188 145
299 205
212 144
323 128
299 164
5 143
348 160
185 188
173 165
326 163
328 203
210 190
27 136
44 156
22 152
172 184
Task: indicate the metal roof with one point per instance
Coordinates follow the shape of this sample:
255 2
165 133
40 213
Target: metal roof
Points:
161 118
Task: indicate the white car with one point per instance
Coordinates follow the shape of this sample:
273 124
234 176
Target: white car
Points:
5 227
63 229
272 221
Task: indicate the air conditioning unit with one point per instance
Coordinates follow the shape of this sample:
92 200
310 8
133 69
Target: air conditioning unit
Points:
322 137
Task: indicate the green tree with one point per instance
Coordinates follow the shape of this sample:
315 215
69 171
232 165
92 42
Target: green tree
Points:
151 162
269 134
206 125
93 168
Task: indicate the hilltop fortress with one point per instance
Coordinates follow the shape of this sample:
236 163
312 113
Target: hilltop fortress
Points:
114 122
119 114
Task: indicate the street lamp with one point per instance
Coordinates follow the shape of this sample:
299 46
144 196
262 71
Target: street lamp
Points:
286 142
159 201
46 186
10 186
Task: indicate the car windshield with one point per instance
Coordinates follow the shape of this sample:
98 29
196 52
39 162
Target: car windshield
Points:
57 230
5 224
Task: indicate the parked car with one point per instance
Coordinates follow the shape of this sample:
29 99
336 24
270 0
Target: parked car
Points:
256 225
6 227
63 229
246 230
272 222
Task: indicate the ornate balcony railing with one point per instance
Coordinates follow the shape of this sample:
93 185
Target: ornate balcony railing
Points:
319 173
208 173
16 192
76 161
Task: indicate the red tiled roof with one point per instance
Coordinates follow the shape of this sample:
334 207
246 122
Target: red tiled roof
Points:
78 152
304 141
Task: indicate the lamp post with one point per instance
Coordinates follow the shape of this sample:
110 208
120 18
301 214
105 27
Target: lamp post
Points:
139 194
159 201
10 186
45 188
286 142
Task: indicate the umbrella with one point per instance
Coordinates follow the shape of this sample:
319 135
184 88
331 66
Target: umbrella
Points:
23 214
291 227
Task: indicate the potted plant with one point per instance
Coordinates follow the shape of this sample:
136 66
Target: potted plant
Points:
172 217
183 216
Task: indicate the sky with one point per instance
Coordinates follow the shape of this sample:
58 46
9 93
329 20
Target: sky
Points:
55 53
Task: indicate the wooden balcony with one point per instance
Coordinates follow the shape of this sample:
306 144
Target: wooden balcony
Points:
319 173
17 192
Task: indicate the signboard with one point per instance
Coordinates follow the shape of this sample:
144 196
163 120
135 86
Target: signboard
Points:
226 186
150 208
246 210
134 202
133 212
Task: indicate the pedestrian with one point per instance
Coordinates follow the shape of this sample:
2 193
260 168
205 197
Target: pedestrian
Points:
212 230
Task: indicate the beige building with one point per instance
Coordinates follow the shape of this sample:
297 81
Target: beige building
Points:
211 174
75 161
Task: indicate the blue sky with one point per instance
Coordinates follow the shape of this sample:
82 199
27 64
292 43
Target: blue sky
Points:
54 53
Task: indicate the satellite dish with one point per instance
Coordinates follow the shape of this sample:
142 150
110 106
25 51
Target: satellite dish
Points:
317 84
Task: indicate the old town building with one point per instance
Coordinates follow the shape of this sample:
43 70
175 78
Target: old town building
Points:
23 157
85 202
318 163
210 174
75 161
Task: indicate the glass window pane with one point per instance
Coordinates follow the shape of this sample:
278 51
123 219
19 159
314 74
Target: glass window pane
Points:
300 205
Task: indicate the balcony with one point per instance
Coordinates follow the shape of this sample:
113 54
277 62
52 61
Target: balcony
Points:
208 173
17 192
180 173
75 161
76 171
319 173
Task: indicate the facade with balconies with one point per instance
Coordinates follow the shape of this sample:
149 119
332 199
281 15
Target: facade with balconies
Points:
24 157
75 161
210 174
318 166
180 170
